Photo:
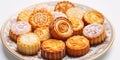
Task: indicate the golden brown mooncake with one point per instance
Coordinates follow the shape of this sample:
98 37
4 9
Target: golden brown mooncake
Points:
77 46
95 33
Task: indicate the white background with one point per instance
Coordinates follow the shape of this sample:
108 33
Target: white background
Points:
110 8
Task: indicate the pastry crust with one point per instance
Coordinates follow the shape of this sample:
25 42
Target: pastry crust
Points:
75 15
77 46
18 28
53 49
63 6
61 28
24 15
28 44
95 33
40 18
93 16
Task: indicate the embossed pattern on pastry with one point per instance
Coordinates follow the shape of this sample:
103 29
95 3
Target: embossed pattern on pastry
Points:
28 44
53 49
75 15
77 46
63 6
43 33
93 16
95 33
40 18
24 15
61 28
18 28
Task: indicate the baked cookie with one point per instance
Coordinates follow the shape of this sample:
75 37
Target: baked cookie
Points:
93 16
63 6
61 28
28 44
40 18
77 46
95 33
18 28
24 15
75 15
53 49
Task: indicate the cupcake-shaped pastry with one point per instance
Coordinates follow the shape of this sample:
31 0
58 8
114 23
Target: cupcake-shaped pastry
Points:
63 6
43 33
43 6
93 16
28 44
61 28
58 14
18 28
95 33
53 49
75 15
40 18
24 15
77 46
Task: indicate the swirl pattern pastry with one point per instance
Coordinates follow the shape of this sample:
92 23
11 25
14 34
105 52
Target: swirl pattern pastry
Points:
28 44
19 28
63 6
61 28
93 16
77 45
40 18
53 49
95 33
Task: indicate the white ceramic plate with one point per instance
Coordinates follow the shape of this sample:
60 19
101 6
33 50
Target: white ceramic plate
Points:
95 51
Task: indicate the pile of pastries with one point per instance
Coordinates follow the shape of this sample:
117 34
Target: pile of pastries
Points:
57 31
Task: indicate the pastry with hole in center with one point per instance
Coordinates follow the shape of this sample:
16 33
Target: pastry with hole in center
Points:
53 49
93 16
28 44
61 28
95 33
77 46
75 15
63 6
18 28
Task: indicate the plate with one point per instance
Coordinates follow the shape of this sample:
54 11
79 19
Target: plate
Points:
95 51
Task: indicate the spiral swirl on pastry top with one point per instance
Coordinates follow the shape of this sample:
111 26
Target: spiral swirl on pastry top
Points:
61 28
40 18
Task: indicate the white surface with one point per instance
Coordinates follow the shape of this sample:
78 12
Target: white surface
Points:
110 8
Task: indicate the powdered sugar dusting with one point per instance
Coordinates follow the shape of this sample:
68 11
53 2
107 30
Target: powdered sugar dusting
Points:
58 14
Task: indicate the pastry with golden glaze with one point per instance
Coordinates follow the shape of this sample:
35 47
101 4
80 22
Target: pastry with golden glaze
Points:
61 28
75 15
40 18
24 15
28 44
63 6
77 46
93 16
18 28
53 49
95 33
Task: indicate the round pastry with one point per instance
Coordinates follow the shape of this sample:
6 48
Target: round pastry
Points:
58 14
95 33
24 15
77 46
28 44
18 28
43 33
63 6
43 7
53 49
75 15
61 28
40 18
93 16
